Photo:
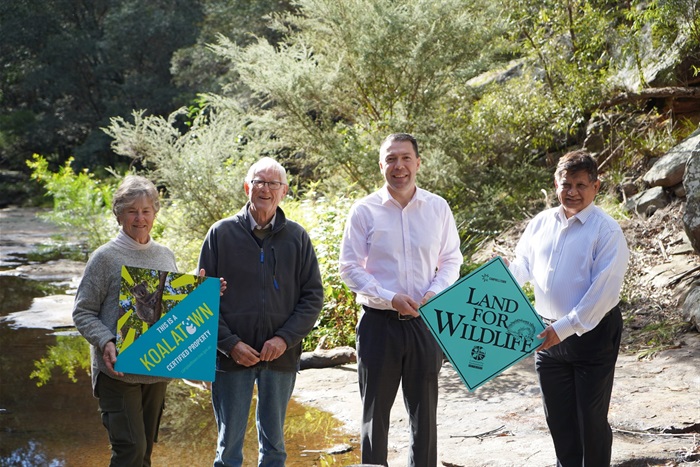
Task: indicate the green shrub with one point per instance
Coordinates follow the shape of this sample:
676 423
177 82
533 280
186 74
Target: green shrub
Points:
80 201
324 219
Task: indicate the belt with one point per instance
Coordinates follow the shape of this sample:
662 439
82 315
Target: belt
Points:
550 321
393 314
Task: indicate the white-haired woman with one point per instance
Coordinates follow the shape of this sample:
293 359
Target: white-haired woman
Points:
131 405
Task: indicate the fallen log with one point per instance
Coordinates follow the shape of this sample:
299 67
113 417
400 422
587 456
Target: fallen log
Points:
324 358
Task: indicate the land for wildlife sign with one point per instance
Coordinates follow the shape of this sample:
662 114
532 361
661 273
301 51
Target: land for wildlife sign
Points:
168 324
484 323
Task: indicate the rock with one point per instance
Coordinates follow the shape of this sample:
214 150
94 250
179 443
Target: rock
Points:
57 271
671 272
679 191
691 307
657 63
597 133
502 423
52 312
628 189
647 202
668 171
691 216
513 69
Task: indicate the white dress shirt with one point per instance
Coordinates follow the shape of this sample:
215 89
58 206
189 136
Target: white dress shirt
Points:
387 249
576 266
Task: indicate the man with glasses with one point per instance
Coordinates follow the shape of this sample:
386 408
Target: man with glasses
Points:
273 299
400 247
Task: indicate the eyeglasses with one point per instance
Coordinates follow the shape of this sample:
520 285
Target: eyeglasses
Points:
270 185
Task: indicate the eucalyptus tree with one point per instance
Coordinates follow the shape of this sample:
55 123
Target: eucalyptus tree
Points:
347 73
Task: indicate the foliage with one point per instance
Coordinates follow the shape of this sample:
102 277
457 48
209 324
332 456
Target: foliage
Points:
658 336
203 169
349 73
241 21
70 354
189 170
81 201
90 62
324 220
493 92
669 19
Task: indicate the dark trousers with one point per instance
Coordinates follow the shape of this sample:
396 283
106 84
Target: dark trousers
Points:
131 413
390 352
576 378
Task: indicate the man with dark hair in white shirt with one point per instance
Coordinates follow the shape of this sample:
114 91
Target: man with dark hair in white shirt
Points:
400 247
575 255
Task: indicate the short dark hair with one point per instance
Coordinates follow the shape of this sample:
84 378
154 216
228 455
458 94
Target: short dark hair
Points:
577 161
401 137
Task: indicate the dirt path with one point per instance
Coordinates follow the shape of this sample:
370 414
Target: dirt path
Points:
502 424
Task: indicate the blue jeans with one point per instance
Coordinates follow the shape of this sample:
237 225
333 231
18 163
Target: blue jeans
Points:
232 394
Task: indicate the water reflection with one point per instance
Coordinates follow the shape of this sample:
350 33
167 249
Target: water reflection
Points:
57 424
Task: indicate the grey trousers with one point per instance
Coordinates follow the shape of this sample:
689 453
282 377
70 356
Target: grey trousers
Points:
389 352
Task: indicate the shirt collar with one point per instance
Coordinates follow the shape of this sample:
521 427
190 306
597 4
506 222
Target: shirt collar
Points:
582 216
254 225
419 195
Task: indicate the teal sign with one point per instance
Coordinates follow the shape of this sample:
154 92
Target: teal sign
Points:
484 323
169 324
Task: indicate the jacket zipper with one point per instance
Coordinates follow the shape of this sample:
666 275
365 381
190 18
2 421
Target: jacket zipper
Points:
274 269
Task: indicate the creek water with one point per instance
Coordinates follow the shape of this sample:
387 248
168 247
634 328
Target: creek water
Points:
57 424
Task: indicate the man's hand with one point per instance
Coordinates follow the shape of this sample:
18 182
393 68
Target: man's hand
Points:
244 355
405 305
428 295
550 338
109 356
273 349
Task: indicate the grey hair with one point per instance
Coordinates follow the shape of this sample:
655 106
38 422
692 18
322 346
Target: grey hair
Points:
264 164
132 188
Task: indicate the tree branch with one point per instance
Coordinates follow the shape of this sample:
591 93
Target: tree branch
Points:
652 93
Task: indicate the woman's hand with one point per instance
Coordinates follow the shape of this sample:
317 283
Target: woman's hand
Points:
222 281
109 356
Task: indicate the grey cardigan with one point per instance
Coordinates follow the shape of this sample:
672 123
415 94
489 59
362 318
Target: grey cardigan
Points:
96 307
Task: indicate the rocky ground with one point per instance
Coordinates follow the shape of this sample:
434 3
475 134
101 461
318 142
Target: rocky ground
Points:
655 411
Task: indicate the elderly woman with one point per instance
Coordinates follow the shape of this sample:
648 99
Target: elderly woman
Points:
131 405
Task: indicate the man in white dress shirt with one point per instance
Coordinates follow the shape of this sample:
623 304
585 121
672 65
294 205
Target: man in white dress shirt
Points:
575 255
400 247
